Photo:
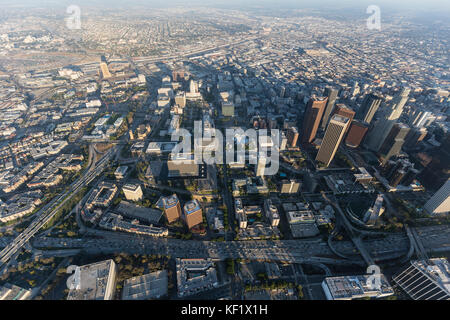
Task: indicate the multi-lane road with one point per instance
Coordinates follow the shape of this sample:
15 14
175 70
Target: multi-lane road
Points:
388 247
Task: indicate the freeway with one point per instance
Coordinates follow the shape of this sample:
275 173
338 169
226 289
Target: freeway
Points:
352 232
393 246
417 243
191 54
299 251
51 209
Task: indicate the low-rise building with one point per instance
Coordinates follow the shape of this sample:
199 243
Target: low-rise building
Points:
102 195
132 192
20 205
120 172
116 222
289 186
12 292
133 211
149 286
355 287
95 281
195 276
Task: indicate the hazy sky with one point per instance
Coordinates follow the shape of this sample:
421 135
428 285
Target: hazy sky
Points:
398 5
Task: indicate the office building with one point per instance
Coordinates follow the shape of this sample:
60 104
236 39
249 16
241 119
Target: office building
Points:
369 107
331 94
260 167
195 276
120 172
178 75
149 286
440 201
436 172
115 222
343 110
414 137
132 192
363 177
290 186
193 214
410 176
355 287
172 208
292 136
374 212
386 122
421 118
398 103
193 87
105 71
271 212
399 172
95 281
356 134
426 280
179 168
227 109
240 214
12 292
313 116
180 99
397 177
133 211
332 139
394 142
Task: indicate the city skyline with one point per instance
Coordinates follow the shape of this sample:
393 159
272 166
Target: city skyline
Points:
224 151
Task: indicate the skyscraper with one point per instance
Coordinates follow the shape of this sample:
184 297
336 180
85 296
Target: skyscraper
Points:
313 115
343 110
292 136
440 202
398 103
356 134
369 107
383 126
193 215
394 142
415 136
193 86
332 95
420 118
333 137
172 208
438 170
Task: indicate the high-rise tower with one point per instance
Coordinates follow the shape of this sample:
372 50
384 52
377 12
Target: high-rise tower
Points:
394 142
332 139
383 126
369 107
332 96
440 202
313 115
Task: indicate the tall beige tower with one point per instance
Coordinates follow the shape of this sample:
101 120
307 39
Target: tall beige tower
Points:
333 137
440 202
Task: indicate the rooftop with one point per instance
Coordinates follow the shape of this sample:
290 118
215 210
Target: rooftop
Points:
191 207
